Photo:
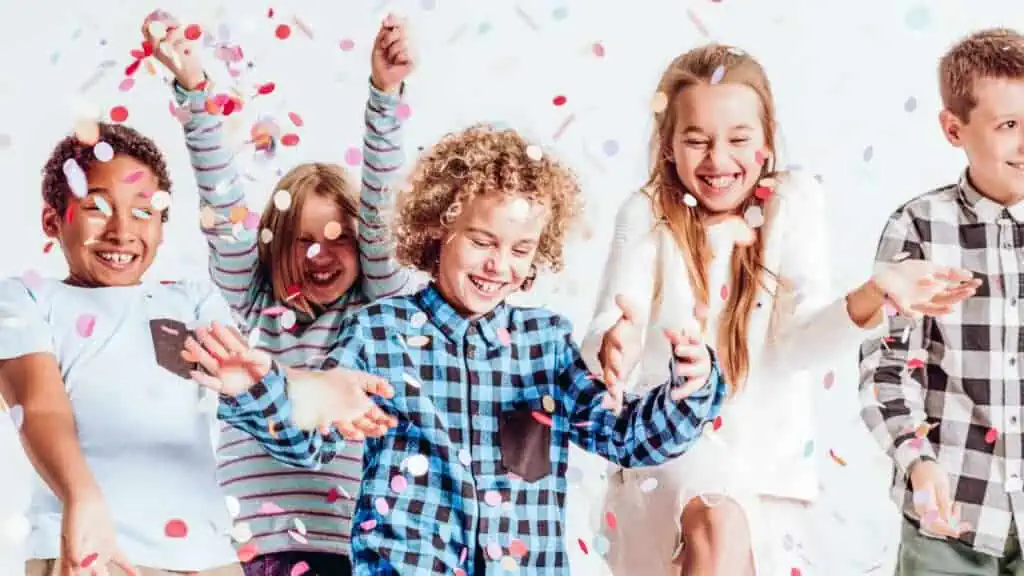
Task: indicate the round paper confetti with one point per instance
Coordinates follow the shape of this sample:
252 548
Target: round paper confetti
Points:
160 201
403 111
332 230
313 250
492 498
126 84
282 32
598 49
85 324
288 319
247 552
718 74
508 564
241 532
869 152
753 216
176 529
118 114
689 200
559 100
237 214
76 178
910 105
418 320
991 436
533 152
399 483
830 379
252 221
381 505
353 156
282 200
270 508
465 457
549 403
299 569
266 236
610 147
649 484
416 465
517 548
601 544
368 525
103 152
347 45
494 550
659 103
290 139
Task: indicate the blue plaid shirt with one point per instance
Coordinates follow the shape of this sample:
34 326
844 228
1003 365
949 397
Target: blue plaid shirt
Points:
486 409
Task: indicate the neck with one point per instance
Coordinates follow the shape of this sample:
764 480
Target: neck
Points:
997 194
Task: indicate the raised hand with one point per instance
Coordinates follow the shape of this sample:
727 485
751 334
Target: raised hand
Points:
172 49
392 60
919 287
230 366
620 350
693 363
88 539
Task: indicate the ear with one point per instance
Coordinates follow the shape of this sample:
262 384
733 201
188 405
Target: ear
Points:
51 220
951 127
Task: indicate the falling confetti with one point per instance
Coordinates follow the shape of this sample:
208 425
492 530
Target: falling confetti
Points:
910 105
176 528
76 178
835 457
85 325
118 114
353 156
918 17
103 152
830 379
89 560
17 415
347 45
597 49
283 31
689 200
610 147
869 152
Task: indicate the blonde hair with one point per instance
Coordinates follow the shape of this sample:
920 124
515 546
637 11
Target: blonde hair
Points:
990 53
278 265
686 224
466 165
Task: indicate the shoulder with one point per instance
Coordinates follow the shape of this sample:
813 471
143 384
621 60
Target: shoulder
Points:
937 204
639 211
391 312
21 291
798 185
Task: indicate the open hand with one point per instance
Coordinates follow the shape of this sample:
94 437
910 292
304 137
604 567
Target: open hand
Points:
88 539
172 49
392 60
693 363
932 501
230 366
620 350
919 287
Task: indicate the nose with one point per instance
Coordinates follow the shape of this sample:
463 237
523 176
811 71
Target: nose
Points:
118 227
718 154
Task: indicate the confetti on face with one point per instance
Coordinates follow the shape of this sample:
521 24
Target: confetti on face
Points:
717 75
533 152
76 178
353 156
160 201
85 325
689 200
282 200
313 251
103 207
176 528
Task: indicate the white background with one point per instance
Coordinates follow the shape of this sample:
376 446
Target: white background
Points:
857 97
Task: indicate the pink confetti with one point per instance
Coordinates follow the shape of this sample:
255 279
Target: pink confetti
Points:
464 555
399 483
126 84
274 311
830 379
134 177
347 45
270 508
504 337
492 498
542 418
32 279
494 550
300 569
382 506
991 436
368 525
517 548
85 325
176 529
353 156
403 111
251 221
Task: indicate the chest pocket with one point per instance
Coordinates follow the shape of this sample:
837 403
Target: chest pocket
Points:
525 445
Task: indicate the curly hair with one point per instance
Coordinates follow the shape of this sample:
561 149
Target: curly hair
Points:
122 139
468 164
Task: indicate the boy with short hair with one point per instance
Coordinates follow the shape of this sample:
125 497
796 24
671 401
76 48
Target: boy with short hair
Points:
488 396
948 391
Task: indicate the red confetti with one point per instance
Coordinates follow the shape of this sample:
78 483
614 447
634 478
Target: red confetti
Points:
147 47
517 548
47 247
137 53
168 282
88 560
247 552
725 292
332 495
612 521
132 68
559 100
270 12
830 379
283 32
991 436
542 418
193 32
118 113
293 291
915 363
266 88
229 107
759 157
763 192
176 529
69 216
795 571
290 139
716 423
295 118
583 545
598 49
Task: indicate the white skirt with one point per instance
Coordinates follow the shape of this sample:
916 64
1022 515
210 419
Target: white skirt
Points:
647 506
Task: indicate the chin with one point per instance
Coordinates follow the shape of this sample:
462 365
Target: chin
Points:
125 269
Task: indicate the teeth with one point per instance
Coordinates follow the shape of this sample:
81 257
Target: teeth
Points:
719 181
322 276
485 286
116 257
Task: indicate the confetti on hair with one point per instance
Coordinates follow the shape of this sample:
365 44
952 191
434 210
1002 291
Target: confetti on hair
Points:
161 200
282 200
717 75
533 152
76 179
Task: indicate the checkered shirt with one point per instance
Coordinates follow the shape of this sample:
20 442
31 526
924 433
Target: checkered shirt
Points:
486 410
935 388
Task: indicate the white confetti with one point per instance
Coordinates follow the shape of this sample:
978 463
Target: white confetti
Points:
241 532
282 200
17 414
418 341
533 152
754 216
266 236
689 200
76 178
411 381
649 484
300 526
659 102
161 200
313 250
103 152
418 320
233 505
288 319
416 464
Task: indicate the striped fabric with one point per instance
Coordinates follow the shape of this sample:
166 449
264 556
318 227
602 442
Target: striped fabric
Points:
289 509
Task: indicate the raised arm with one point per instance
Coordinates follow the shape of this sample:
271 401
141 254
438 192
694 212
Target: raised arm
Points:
893 393
649 429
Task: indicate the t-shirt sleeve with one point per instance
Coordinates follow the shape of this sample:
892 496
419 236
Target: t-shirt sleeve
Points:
211 306
23 326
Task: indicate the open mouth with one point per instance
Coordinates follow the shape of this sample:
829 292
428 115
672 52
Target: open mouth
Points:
487 288
719 183
323 278
116 260
1017 165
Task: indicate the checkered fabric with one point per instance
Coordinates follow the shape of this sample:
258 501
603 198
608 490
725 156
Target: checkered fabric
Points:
950 388
487 409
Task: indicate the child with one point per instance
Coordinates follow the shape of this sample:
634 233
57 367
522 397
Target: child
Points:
488 396
952 422
743 248
317 251
123 448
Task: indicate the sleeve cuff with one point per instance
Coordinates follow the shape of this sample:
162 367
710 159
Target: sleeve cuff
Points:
268 396
387 100
909 453
191 97
704 391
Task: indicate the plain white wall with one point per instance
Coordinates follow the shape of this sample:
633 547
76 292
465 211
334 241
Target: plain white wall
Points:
857 98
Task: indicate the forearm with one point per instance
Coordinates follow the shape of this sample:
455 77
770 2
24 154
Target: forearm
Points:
51 444
866 305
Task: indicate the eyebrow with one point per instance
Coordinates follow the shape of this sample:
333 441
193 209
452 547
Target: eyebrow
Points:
692 128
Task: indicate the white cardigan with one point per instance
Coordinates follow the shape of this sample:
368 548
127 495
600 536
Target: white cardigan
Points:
794 338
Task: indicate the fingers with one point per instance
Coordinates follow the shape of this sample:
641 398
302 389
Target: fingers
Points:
199 354
376 386
627 308
231 340
691 386
381 418
211 340
118 559
954 274
207 381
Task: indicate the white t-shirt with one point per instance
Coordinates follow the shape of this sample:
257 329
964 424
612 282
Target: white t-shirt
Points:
143 429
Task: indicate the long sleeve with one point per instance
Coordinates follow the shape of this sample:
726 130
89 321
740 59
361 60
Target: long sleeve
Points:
232 238
892 394
629 271
265 413
382 163
813 324
650 429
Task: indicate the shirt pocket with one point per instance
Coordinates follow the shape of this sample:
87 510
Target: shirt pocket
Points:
525 445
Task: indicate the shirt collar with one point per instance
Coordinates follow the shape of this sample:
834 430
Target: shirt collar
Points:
986 209
454 325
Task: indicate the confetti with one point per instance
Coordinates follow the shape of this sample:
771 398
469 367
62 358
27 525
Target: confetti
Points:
247 552
559 100
563 127
648 485
763 193
548 403
560 13
313 250
76 178
808 448
695 20
288 319
290 139
753 216
104 207
126 84
160 201
299 569
283 31
17 415
835 457
398 483
582 545
300 526
296 119
418 341
403 111
869 152
717 75
85 325
282 200
368 525
533 152
910 105
597 49
418 319
411 381
118 114
991 436
465 457
610 147
492 498
346 45
526 18
915 363
382 507
542 418
689 200
416 465
89 560
724 292
241 532
493 550
270 508
103 152
176 528
353 156
830 379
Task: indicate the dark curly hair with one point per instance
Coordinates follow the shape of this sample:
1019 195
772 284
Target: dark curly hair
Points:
122 139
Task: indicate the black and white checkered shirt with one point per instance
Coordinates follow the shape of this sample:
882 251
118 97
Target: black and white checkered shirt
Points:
950 388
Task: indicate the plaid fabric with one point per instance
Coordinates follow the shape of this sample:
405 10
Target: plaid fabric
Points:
486 410
959 374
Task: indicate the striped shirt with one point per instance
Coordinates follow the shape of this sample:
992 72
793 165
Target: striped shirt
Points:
289 509
951 388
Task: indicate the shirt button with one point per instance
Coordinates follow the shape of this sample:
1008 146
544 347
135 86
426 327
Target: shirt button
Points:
471 350
1013 361
1013 301
1014 483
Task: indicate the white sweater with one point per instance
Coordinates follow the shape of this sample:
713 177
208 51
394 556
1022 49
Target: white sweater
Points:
794 338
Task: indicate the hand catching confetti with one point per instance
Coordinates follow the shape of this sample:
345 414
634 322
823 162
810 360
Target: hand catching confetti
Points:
339 397
88 541
173 48
391 61
693 363
620 350
919 287
932 500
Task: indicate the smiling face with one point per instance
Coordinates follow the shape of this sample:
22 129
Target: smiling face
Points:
993 137
328 250
719 146
489 251
109 237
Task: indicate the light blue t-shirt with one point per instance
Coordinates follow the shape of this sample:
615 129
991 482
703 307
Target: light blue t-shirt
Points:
145 431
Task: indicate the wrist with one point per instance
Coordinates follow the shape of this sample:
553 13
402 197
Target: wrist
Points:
865 305
82 492
193 82
392 89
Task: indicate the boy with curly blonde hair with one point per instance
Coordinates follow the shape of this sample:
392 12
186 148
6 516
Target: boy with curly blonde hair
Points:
952 423
487 396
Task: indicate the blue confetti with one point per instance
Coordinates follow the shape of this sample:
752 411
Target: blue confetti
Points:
718 74
103 207
484 28
869 152
918 17
54 57
610 147
560 13
910 105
